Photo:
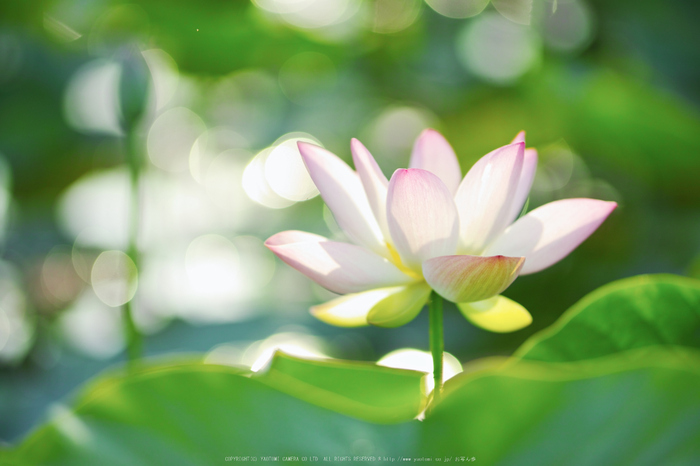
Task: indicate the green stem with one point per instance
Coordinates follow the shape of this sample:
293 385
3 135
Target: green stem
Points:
437 343
134 339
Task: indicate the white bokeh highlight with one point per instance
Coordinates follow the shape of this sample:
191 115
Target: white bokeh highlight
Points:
496 49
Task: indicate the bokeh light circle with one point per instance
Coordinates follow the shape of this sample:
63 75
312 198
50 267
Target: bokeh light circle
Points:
91 103
171 138
569 28
93 328
286 173
209 145
96 209
393 132
114 278
256 186
16 328
458 8
310 14
391 16
496 49
164 73
517 11
213 268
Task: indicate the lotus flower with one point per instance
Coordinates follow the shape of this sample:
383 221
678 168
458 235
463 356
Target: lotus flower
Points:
429 229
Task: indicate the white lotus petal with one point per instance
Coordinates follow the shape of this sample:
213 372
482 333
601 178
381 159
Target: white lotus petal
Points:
485 197
549 233
374 182
524 184
432 152
422 217
339 267
520 137
342 191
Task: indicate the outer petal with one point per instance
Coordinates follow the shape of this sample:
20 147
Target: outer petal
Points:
422 217
401 307
342 191
349 310
432 152
497 314
520 137
485 197
462 279
339 267
549 233
292 236
352 310
374 182
524 184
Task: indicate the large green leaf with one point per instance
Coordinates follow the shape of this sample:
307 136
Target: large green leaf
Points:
632 313
358 389
526 412
610 412
194 414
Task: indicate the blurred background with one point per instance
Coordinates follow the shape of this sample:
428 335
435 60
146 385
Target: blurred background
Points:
608 92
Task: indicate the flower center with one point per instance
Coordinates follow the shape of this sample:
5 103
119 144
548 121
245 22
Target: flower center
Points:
396 260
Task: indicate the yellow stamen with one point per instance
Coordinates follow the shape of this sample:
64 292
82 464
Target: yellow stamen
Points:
396 260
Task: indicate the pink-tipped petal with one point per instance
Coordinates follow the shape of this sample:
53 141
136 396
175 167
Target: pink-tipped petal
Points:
339 267
422 217
485 197
432 152
520 137
464 279
374 182
549 233
342 191
524 184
